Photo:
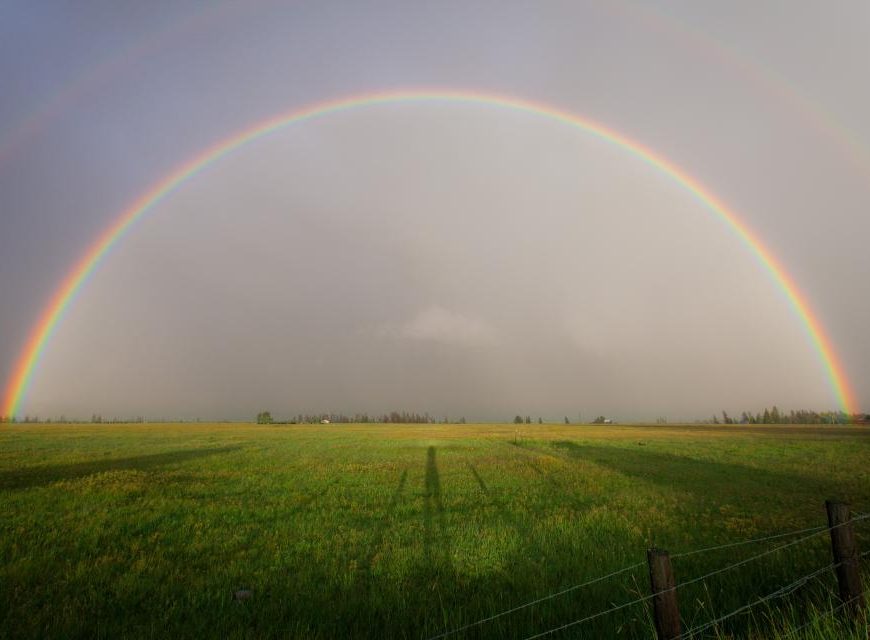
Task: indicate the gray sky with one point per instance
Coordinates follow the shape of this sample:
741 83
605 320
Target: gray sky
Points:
456 259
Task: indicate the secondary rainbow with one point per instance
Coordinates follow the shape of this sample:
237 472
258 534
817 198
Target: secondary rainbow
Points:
119 62
54 311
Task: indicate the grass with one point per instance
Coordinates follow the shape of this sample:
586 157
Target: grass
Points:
388 531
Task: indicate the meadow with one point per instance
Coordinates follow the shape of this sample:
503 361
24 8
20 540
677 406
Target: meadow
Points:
392 531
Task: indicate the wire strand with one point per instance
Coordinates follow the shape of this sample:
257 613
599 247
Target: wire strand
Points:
637 601
693 581
537 601
779 593
859 516
729 545
745 561
813 531
592 617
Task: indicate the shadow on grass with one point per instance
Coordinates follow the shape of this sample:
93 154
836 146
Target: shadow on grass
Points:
506 516
811 430
40 476
577 501
523 530
435 538
413 597
703 478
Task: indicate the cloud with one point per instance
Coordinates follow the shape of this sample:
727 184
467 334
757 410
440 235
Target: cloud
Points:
436 324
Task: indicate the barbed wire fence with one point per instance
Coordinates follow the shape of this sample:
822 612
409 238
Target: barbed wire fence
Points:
779 593
782 592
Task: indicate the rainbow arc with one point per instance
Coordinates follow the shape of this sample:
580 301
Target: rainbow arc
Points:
54 311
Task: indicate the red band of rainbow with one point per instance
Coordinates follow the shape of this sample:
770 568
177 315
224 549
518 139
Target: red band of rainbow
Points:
53 313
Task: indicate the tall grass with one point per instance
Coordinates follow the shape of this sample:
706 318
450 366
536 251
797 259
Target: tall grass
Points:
390 531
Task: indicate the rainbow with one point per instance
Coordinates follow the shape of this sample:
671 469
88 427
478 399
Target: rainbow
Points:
54 311
751 73
85 84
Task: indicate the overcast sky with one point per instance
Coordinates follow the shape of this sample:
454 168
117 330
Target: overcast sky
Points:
457 259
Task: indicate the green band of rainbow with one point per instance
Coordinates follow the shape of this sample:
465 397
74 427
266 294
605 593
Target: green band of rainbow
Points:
54 311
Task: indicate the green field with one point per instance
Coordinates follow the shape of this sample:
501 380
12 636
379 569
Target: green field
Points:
390 531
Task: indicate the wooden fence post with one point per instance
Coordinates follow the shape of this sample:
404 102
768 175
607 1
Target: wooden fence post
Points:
665 610
846 556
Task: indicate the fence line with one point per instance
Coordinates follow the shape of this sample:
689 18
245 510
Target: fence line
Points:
674 588
765 553
812 533
538 601
729 545
779 593
592 617
740 563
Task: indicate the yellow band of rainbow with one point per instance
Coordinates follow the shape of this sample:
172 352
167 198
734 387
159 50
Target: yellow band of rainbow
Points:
53 313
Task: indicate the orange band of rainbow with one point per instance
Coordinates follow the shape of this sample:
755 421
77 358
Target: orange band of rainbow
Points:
54 311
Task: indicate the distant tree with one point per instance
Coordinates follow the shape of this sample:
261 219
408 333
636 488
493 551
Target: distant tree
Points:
518 419
264 417
599 420
528 420
540 421
462 420
567 421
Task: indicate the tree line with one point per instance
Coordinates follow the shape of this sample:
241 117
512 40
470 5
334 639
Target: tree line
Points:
95 419
774 415
394 417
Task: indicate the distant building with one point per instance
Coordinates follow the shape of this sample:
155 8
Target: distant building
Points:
324 421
